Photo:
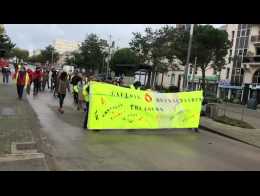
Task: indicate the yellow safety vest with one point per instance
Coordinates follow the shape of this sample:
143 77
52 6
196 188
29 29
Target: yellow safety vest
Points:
133 87
85 93
26 78
76 88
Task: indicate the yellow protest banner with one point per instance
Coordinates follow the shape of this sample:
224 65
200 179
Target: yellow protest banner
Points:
114 107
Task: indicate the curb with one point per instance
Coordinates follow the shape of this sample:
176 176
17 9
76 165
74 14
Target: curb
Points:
227 136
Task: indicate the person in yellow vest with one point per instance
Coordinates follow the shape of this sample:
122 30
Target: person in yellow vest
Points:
75 81
22 80
136 86
85 94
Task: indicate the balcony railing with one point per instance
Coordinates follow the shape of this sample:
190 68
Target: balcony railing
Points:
251 59
255 38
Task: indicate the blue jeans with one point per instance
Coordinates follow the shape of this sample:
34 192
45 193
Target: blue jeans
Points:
85 109
5 78
20 90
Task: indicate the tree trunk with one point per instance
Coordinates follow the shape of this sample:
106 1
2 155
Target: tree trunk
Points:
148 83
203 70
162 80
153 79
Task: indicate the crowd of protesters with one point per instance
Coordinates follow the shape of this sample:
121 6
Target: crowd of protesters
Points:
58 82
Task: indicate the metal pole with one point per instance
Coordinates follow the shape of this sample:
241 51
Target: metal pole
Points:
52 57
185 78
109 49
193 73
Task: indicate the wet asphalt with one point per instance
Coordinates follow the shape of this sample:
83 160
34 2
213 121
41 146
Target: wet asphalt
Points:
72 148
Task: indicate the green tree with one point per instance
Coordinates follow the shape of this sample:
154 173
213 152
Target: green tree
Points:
20 54
5 44
36 59
92 52
151 48
2 30
123 56
75 59
48 53
209 45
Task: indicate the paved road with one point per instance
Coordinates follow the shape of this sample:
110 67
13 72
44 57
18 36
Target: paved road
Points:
72 148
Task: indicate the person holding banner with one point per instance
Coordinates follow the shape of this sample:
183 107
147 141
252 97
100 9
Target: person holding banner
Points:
85 95
136 86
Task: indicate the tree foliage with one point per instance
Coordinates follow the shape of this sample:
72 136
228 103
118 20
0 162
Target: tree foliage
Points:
20 54
5 44
75 59
167 44
209 45
48 53
151 48
37 59
124 56
92 52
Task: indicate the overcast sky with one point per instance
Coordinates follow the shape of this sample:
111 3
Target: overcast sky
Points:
38 36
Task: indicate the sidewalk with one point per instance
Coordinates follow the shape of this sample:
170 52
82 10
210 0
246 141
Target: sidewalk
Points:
249 136
236 111
18 122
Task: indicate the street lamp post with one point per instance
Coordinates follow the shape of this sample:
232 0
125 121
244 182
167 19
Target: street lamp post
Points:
185 78
109 56
52 57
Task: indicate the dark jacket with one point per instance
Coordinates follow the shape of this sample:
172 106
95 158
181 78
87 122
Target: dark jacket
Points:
75 80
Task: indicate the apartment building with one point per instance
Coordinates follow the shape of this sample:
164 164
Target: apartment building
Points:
240 78
64 48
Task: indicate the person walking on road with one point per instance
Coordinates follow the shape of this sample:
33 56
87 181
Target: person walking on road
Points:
36 81
85 94
136 86
74 81
63 85
22 80
30 73
45 79
6 73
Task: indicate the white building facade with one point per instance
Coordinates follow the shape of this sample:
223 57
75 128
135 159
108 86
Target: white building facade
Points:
240 78
65 48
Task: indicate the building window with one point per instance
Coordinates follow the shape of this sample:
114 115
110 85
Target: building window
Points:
241 43
245 51
233 34
244 26
256 77
247 32
243 33
237 42
173 79
228 70
190 70
257 51
229 59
